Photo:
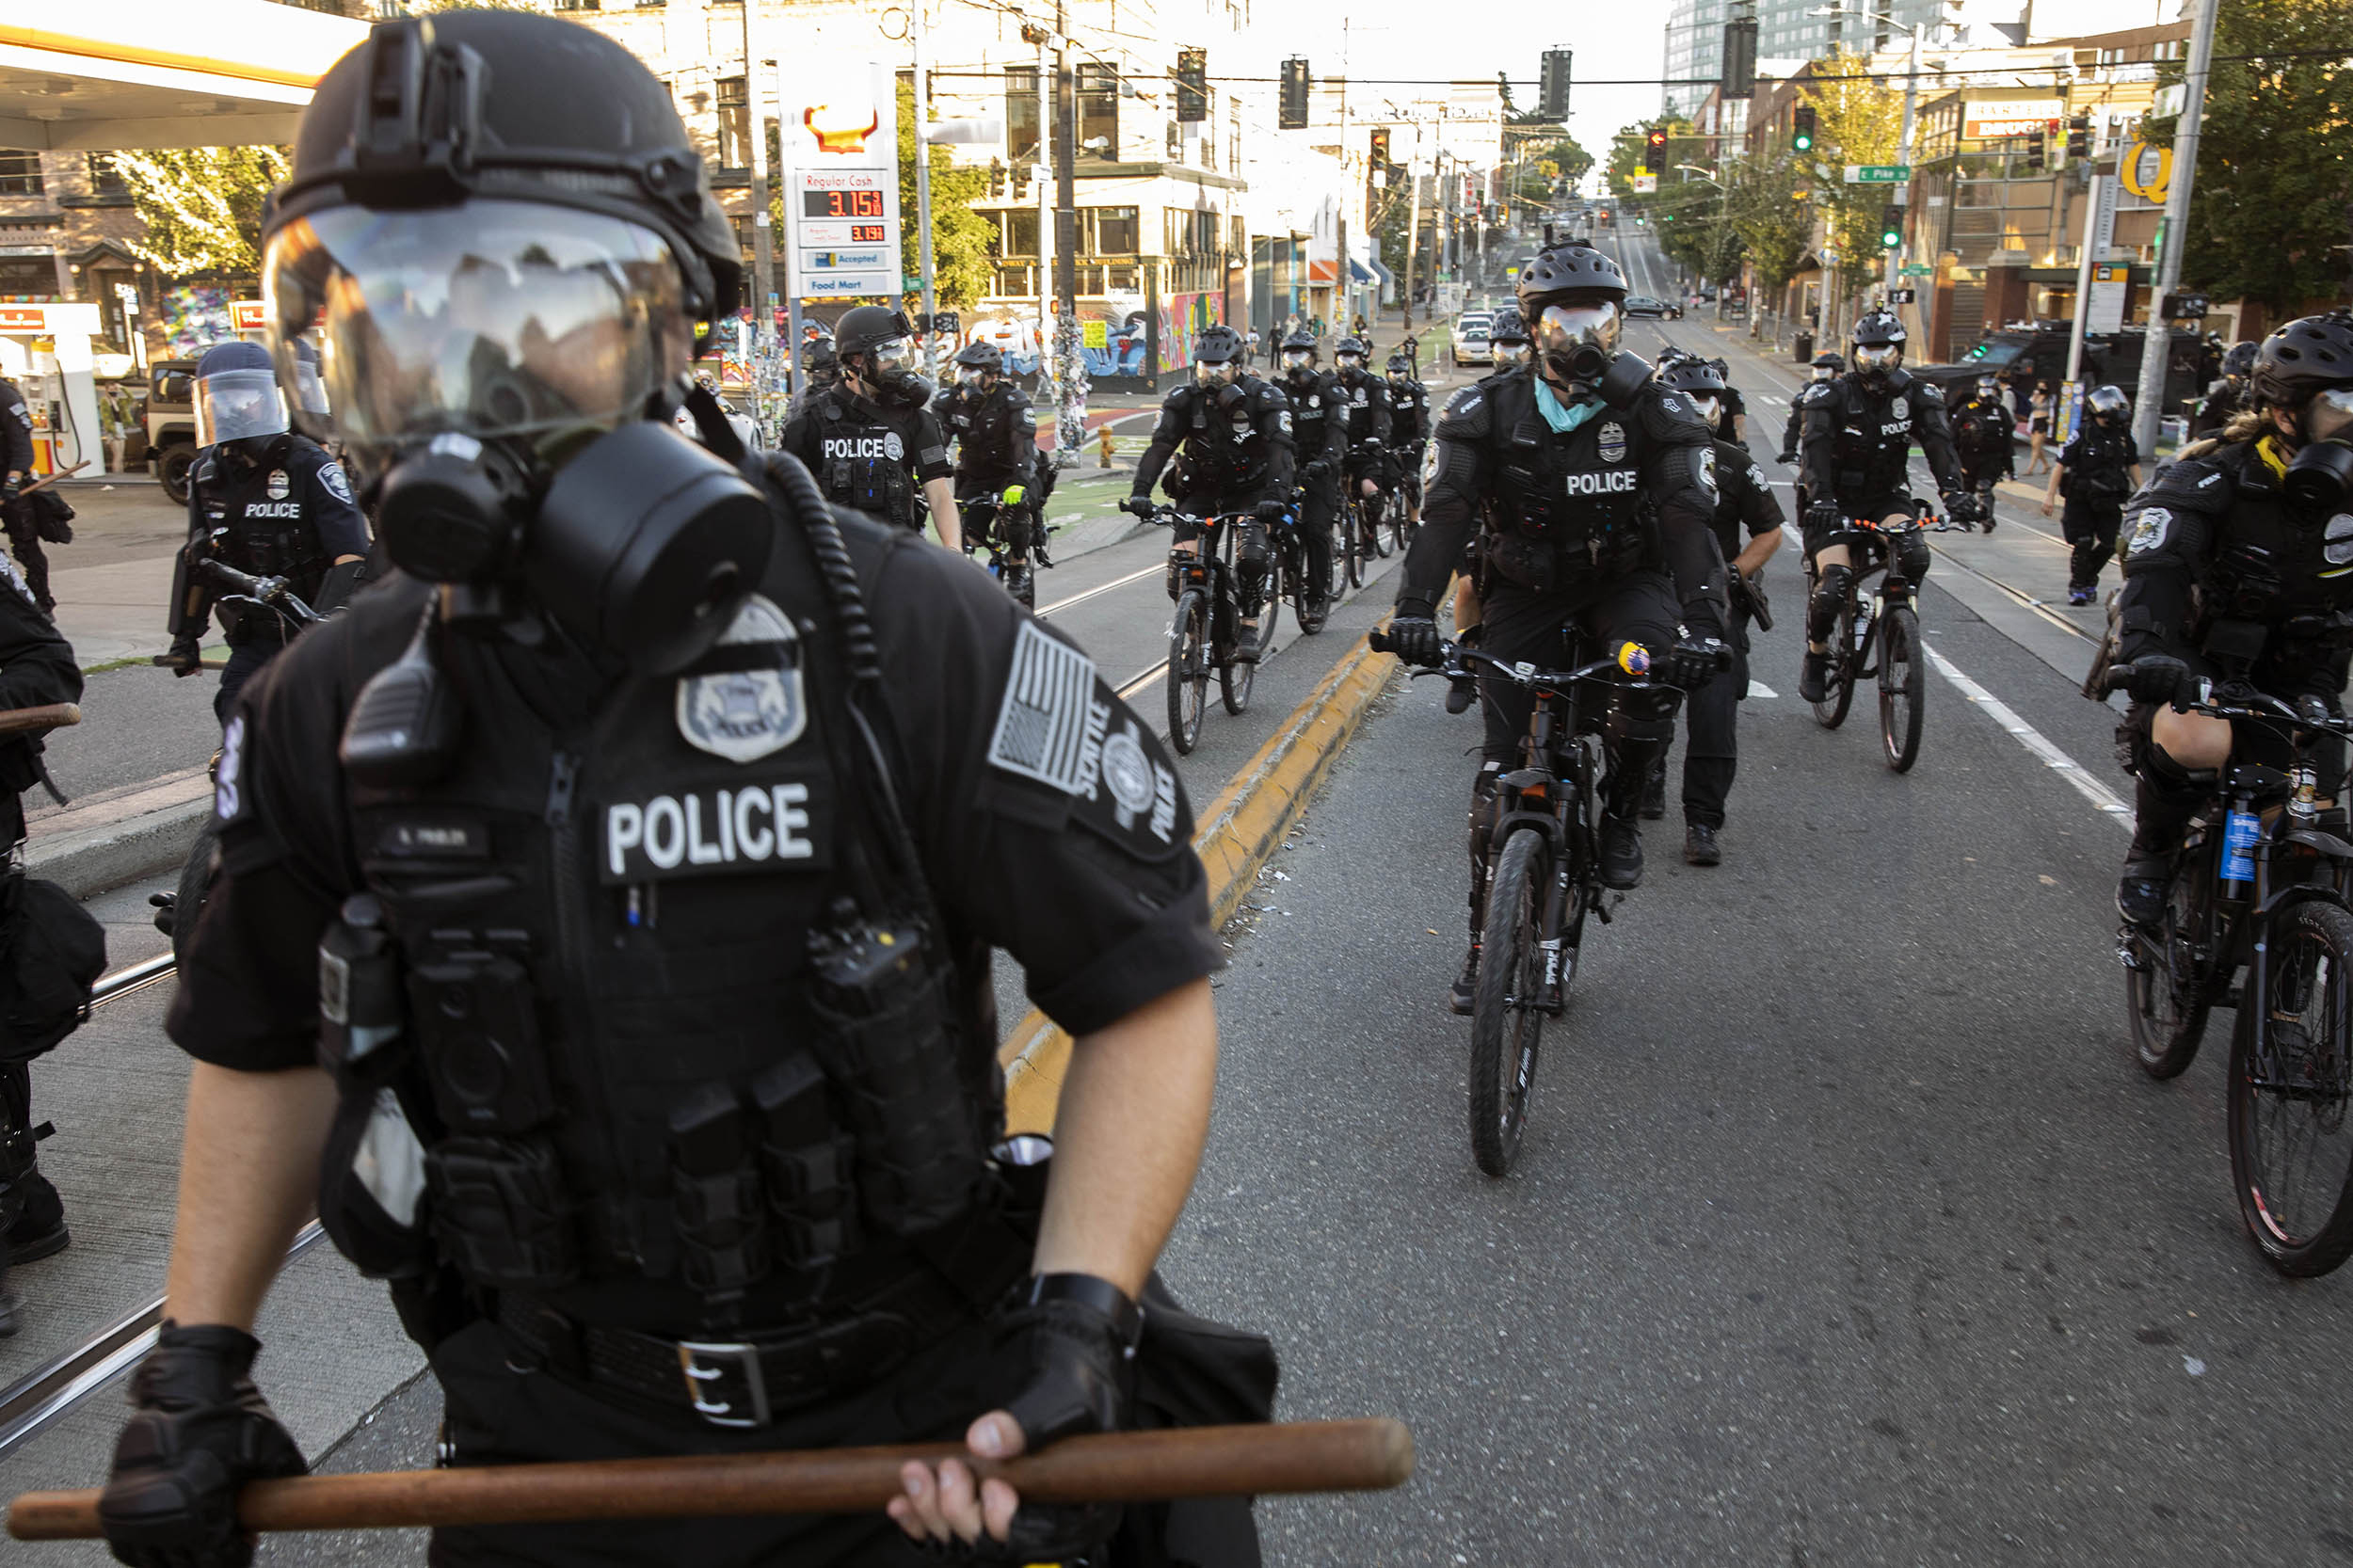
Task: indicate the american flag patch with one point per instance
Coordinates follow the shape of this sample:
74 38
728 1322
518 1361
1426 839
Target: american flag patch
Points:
1041 725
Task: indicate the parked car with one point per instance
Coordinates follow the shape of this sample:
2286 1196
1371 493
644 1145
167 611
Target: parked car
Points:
1470 345
170 422
1643 305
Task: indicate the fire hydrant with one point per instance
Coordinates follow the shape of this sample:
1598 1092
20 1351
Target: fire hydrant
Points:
1103 444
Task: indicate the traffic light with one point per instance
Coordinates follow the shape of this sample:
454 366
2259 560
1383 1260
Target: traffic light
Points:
1654 152
1192 85
2035 149
1891 227
1640 222
1801 128
1739 72
1381 147
1291 112
997 177
1552 85
2079 135
1022 180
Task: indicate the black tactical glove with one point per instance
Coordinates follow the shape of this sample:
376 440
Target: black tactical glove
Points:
200 1432
186 657
1692 662
2154 678
1413 637
1138 507
1271 511
1319 468
1961 506
1788 456
1822 514
1077 1337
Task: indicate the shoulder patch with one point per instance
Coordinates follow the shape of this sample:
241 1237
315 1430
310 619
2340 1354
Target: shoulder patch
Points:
744 715
2150 528
1466 413
331 476
1283 420
1042 723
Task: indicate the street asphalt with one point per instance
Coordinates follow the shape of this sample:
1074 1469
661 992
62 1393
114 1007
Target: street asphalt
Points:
1844 1231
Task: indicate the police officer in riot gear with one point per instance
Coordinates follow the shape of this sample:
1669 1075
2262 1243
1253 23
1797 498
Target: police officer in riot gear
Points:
1318 442
1409 427
1984 436
1509 338
1597 486
820 367
1231 435
1827 368
1369 471
2230 393
1857 462
871 438
2234 557
1746 524
2097 470
601 942
16 471
267 501
995 430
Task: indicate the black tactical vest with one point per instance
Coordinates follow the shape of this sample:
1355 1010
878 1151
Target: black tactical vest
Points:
674 1023
256 519
982 422
2271 567
1223 451
2102 469
1580 493
863 460
1312 404
1875 432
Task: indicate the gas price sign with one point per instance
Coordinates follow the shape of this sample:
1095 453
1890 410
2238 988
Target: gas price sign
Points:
840 178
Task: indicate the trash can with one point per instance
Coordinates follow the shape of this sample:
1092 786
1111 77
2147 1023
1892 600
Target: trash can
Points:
1804 348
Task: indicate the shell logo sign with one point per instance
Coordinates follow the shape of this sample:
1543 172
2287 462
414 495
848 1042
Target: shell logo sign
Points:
842 129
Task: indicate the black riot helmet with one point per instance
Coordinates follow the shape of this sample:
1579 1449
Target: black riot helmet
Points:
1702 382
1509 339
820 361
1827 365
1574 301
2108 406
1401 368
877 345
2238 361
977 362
239 409
1348 354
1879 346
1299 354
1217 356
505 240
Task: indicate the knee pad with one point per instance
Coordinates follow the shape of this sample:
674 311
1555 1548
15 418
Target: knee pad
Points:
1640 716
1913 555
1828 594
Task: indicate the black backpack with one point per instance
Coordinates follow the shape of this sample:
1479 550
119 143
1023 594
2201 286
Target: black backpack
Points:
52 952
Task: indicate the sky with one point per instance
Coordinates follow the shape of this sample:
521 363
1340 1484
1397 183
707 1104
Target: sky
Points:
1412 38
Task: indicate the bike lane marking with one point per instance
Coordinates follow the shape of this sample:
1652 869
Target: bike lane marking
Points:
2101 797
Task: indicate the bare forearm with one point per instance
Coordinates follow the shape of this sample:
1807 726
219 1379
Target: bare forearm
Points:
249 1177
1134 1113
942 497
1760 550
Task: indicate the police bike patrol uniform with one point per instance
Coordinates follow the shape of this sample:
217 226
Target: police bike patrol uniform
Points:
2235 561
1597 504
267 501
1409 424
16 515
994 428
1983 438
648 859
1366 398
1319 437
2096 475
875 450
1826 370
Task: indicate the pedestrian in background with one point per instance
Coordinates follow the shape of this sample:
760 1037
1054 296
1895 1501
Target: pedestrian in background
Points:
117 408
2038 428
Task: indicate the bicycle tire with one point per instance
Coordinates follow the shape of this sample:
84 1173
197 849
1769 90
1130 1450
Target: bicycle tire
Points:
1381 545
1310 611
2313 1086
1402 521
1903 685
1188 676
2166 1029
195 885
1352 542
1838 682
1505 1025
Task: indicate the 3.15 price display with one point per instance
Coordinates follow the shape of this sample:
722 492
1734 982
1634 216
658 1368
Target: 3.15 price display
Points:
843 203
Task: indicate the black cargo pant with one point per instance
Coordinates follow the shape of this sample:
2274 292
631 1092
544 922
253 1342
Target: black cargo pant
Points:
1318 512
2090 524
1014 528
1711 753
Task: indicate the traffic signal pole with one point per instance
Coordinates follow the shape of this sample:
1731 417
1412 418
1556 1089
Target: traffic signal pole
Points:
923 185
2174 235
1903 157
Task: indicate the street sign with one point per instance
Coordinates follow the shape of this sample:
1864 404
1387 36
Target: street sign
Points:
1915 269
1645 184
1878 174
2110 287
840 175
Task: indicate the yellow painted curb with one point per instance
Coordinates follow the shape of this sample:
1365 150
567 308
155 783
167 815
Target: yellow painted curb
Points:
1239 833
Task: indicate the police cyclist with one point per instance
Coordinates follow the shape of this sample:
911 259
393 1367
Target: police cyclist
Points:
266 502
871 438
601 941
2234 558
2096 471
2228 394
1826 369
1597 487
1857 464
1230 434
1409 429
995 430
1319 443
1364 396
1984 437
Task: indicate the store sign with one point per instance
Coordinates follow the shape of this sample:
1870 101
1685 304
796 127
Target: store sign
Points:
247 316
2146 170
1645 184
2111 286
1981 119
840 177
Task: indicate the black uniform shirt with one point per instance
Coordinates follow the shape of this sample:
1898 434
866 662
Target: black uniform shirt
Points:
1048 819
37 668
995 430
16 431
300 489
1744 499
2098 461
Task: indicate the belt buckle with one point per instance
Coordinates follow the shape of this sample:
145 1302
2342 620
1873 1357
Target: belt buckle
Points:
723 1383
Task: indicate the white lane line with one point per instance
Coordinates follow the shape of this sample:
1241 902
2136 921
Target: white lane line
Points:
2035 741
1758 688
1116 582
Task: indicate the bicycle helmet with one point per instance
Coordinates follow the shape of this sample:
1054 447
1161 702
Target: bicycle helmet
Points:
1217 356
2308 355
1299 352
1702 382
1349 354
1827 365
1576 267
2238 361
821 360
980 356
1510 327
1573 298
1879 346
1400 366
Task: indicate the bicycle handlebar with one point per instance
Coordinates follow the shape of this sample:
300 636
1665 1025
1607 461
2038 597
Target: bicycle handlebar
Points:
2240 699
272 592
1632 659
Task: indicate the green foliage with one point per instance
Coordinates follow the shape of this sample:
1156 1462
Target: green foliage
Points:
201 206
1629 151
2269 209
1862 121
1771 225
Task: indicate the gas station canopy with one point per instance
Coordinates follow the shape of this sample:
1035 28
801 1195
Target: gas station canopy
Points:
111 74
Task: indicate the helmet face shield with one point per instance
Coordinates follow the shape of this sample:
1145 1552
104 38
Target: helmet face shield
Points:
2328 417
1511 356
1988 387
493 318
970 375
1878 357
892 354
1215 372
2107 405
1348 361
1580 337
233 404
1299 359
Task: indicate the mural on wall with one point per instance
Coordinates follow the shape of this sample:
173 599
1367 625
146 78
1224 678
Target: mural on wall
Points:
1112 335
192 318
1183 316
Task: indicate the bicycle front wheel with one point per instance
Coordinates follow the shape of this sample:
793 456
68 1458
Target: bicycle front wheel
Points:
1353 542
1402 519
1903 682
1507 1016
2291 1149
1188 678
2165 997
1379 526
1838 682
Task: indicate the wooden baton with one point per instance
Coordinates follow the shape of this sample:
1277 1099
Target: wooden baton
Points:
50 715
48 480
1130 1466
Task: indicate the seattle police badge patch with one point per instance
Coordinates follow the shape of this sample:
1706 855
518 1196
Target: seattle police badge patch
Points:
1900 409
278 484
331 476
893 448
744 715
1613 439
2149 531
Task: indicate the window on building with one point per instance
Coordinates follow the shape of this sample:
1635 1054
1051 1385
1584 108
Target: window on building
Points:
20 173
1237 237
1232 136
1113 231
103 179
1205 233
1098 112
28 278
1021 113
1175 233
735 122
1017 232
578 4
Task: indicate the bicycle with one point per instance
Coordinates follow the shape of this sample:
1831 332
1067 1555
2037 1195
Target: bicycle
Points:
1885 626
1399 510
980 514
1542 879
2264 882
1311 602
1204 633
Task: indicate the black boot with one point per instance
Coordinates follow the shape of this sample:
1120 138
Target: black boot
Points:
1621 852
1699 845
1814 679
2165 797
1655 792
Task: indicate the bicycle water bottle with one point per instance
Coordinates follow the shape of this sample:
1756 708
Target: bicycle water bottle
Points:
2240 830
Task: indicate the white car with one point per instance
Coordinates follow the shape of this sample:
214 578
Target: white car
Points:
1470 345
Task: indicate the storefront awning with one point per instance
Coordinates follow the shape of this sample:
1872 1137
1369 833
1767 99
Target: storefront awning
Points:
1387 277
136 74
1359 273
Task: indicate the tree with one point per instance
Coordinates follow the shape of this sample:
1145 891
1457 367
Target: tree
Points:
2269 212
201 206
1860 122
1773 225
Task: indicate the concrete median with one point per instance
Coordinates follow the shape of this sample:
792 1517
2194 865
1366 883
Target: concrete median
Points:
116 836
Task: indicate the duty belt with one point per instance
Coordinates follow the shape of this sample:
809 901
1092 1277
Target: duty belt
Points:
750 1382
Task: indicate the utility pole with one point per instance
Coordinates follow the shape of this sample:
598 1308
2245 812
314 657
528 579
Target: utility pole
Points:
1903 155
2157 342
764 253
1040 159
2096 234
1070 418
922 183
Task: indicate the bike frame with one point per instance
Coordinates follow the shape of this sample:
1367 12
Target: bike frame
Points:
1891 587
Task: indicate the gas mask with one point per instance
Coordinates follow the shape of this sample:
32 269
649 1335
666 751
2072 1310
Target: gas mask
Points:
1217 373
2320 481
1579 339
889 369
1511 356
1875 361
1299 361
970 375
1348 363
